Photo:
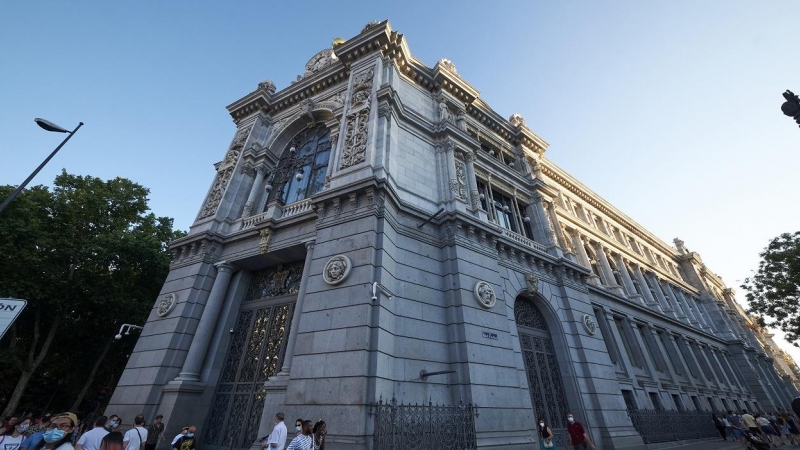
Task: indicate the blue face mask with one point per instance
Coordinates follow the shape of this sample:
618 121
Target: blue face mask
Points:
189 435
53 436
113 424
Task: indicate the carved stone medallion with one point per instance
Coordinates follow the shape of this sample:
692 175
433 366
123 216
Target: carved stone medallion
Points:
589 324
484 294
336 269
166 305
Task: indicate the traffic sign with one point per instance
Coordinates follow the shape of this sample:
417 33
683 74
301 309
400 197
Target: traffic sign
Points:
10 308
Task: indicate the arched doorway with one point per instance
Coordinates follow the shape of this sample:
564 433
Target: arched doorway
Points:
541 366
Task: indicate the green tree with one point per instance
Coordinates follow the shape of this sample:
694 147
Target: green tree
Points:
87 256
774 291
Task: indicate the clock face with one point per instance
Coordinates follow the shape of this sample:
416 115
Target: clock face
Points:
319 61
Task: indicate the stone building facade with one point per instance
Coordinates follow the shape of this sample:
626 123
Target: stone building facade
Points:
375 231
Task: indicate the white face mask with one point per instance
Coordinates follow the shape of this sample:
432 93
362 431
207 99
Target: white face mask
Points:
571 419
541 424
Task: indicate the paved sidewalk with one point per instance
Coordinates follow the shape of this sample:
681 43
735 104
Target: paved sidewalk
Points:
717 444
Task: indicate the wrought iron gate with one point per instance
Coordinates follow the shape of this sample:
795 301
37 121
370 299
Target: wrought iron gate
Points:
544 378
424 427
255 354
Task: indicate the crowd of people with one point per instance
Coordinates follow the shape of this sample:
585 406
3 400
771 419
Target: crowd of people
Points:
759 431
308 435
65 432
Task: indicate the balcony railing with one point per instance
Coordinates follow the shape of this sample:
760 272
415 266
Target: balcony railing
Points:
522 240
296 208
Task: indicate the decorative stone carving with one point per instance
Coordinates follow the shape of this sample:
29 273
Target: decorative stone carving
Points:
268 86
241 137
517 120
266 238
166 305
444 113
532 282
385 110
589 324
337 269
362 88
476 199
447 64
484 294
355 141
215 196
370 26
461 180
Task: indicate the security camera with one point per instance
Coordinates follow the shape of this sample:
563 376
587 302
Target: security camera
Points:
118 337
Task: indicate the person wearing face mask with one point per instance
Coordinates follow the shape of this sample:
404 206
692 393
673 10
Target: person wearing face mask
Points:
14 435
91 439
187 442
36 434
59 434
277 439
114 421
298 427
303 441
546 436
577 435
183 432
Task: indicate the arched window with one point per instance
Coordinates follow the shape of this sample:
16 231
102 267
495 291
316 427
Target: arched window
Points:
302 166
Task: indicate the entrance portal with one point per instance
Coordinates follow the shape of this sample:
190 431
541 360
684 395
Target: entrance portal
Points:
541 366
254 356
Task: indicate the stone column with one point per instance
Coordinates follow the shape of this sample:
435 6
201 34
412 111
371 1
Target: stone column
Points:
261 172
687 301
298 311
650 301
626 277
542 231
472 182
208 321
703 352
580 246
659 294
700 368
557 230
680 311
602 260
624 359
716 358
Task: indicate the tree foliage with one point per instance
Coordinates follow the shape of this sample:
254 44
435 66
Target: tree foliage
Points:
774 291
87 256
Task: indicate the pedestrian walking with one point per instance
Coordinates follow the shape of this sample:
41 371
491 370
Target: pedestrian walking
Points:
578 437
183 432
91 439
135 438
766 429
298 427
546 440
720 426
304 440
737 428
277 438
750 422
318 434
154 432
791 429
187 442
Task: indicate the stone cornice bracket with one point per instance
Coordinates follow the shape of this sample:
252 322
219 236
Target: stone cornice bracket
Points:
446 78
259 100
375 36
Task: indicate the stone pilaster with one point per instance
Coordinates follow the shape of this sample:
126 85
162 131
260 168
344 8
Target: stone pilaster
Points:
260 173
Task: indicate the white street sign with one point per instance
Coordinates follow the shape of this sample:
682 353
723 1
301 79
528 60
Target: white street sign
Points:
9 311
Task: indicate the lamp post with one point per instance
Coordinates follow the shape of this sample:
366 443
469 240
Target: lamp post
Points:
49 126
126 328
791 107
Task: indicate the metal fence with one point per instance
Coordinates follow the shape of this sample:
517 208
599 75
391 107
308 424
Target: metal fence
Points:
664 426
424 427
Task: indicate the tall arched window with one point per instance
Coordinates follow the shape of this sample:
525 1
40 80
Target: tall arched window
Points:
302 166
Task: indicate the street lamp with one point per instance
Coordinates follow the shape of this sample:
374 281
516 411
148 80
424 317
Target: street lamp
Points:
126 328
49 126
791 107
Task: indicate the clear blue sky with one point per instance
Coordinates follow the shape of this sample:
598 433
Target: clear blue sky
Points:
670 110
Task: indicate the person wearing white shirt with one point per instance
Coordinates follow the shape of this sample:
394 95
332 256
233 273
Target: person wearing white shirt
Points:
277 439
91 439
135 437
